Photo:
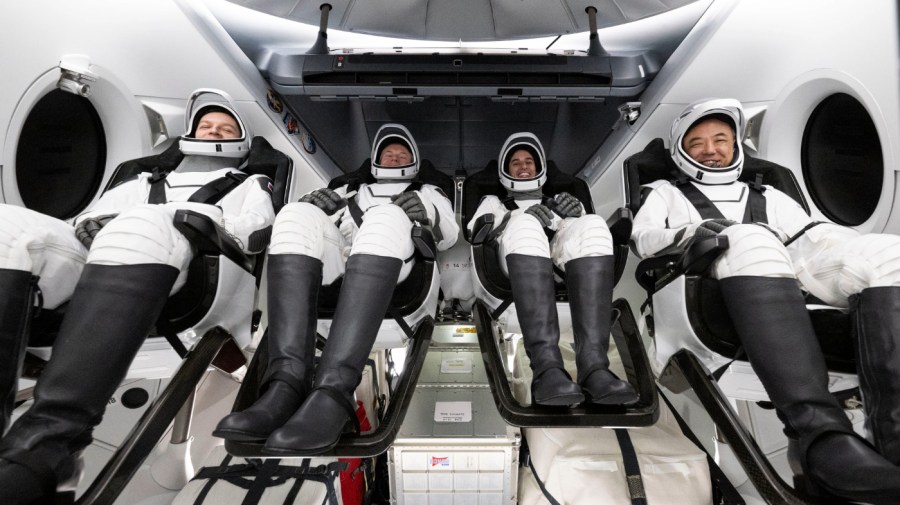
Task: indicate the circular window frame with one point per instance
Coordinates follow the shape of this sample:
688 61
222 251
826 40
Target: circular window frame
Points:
127 133
781 134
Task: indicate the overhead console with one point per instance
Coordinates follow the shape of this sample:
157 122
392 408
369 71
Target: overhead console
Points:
506 76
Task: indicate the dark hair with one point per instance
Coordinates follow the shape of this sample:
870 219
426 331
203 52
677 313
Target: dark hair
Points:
522 147
203 111
725 118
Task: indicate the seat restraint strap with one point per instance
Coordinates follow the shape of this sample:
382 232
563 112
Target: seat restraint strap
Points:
632 468
754 212
700 202
215 190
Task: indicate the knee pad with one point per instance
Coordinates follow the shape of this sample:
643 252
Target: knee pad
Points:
524 235
385 231
303 228
585 236
142 234
753 250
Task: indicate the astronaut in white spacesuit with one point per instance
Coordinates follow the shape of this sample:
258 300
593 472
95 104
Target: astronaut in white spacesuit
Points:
361 231
773 243
582 247
117 267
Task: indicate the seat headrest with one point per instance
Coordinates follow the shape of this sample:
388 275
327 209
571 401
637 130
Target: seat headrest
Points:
263 159
427 174
486 182
655 163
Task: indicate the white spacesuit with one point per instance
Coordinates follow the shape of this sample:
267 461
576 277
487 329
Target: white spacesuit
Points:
582 247
361 231
772 244
118 266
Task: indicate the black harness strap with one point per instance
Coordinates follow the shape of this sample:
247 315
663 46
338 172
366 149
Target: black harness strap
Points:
754 212
256 478
632 468
704 206
263 480
210 193
541 485
401 322
215 190
157 186
801 232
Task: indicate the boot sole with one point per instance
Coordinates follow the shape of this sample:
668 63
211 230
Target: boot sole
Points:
560 401
239 436
613 400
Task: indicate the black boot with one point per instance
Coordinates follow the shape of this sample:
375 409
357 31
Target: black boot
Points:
17 289
111 312
293 287
771 320
590 284
876 323
531 278
366 292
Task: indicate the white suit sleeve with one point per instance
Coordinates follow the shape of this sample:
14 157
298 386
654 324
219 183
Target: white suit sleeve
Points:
489 205
247 213
122 197
663 221
440 213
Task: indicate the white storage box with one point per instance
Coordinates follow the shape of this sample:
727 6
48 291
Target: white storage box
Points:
453 448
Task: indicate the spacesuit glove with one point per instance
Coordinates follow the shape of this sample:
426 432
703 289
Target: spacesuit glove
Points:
87 229
567 205
716 226
704 229
542 213
412 205
326 199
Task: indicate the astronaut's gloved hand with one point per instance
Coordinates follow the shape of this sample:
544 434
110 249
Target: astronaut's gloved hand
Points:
715 226
567 205
326 199
542 213
412 205
704 229
87 229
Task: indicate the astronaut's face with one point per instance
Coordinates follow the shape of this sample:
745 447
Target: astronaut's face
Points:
217 125
521 165
710 143
395 155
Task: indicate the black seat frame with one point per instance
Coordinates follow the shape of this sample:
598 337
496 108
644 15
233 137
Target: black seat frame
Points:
485 260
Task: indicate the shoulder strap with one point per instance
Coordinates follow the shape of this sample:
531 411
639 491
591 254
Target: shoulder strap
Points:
700 202
157 186
215 190
755 211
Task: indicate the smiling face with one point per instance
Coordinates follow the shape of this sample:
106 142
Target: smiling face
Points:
217 126
521 165
710 142
395 155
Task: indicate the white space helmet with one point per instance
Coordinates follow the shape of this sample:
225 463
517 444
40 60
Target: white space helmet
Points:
206 100
388 134
725 109
529 142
